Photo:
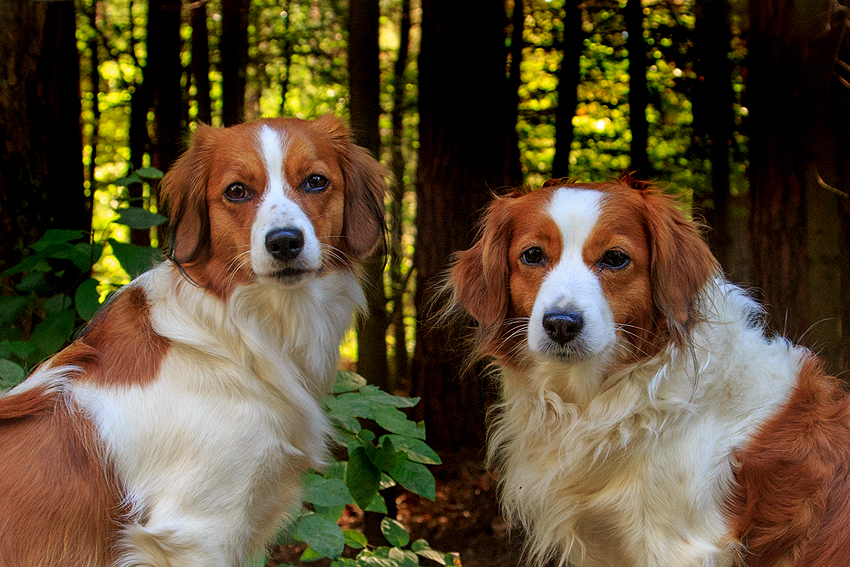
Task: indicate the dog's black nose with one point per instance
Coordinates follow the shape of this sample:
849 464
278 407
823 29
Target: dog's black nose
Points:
285 244
563 326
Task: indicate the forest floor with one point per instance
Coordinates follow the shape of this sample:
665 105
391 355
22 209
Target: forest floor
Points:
464 518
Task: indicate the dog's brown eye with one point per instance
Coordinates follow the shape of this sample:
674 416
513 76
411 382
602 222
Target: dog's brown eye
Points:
315 183
237 192
533 256
614 259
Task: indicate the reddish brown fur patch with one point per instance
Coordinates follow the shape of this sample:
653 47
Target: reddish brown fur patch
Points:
58 506
120 345
792 500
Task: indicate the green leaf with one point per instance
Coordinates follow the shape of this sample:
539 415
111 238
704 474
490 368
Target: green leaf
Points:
139 218
328 492
57 236
21 349
10 373
405 557
33 283
310 554
149 173
347 381
50 335
362 477
336 470
378 504
348 405
355 539
322 535
128 180
416 449
378 396
57 303
386 458
31 262
395 532
421 547
11 307
332 513
416 478
395 421
87 299
134 259
378 561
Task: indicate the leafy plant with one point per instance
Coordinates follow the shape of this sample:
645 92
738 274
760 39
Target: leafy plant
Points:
51 292
375 462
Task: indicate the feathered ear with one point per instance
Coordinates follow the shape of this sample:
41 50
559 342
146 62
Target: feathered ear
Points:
363 222
184 188
680 266
480 276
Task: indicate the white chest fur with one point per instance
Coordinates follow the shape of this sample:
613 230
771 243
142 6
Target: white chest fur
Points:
640 475
210 453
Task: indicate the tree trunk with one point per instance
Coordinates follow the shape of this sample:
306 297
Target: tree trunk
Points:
201 61
571 43
463 156
638 94
713 102
364 83
794 220
165 70
398 278
511 112
233 47
41 169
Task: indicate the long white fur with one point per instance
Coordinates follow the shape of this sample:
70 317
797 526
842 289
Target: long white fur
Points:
634 468
210 453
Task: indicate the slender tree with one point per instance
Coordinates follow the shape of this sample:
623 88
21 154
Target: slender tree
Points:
638 95
571 44
201 61
399 278
463 158
41 170
233 46
364 80
713 109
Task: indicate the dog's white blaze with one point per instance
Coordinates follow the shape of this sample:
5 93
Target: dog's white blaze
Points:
570 283
278 210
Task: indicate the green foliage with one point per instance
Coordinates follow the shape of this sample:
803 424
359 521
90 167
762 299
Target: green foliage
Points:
51 292
374 463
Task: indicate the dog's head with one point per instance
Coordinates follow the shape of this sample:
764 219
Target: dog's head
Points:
277 201
575 272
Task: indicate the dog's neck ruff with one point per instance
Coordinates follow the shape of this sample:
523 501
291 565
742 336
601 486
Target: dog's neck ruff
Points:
637 471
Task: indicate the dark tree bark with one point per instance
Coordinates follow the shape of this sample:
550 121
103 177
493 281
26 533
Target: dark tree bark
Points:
571 44
398 278
638 94
166 71
794 220
463 156
94 78
41 169
838 113
201 61
713 102
233 47
364 82
161 90
511 112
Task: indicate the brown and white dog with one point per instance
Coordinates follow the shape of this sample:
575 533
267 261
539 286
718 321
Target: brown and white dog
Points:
646 419
174 431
